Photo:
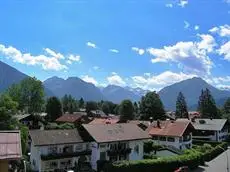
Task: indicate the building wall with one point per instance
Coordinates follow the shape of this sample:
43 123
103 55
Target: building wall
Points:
35 160
137 147
39 165
178 142
4 166
217 136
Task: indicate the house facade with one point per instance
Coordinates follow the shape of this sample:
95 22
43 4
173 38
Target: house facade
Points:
10 148
175 134
210 129
58 149
114 142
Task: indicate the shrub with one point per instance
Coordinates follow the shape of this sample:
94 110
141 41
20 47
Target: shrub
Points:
192 160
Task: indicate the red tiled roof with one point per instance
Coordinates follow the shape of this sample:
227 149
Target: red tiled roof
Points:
104 121
10 145
168 128
71 118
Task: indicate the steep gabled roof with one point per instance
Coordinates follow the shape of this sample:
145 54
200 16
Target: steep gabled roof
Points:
115 132
169 128
10 145
71 118
104 121
54 137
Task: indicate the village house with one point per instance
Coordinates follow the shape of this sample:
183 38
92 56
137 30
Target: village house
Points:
115 142
104 121
75 118
58 149
175 134
210 129
10 148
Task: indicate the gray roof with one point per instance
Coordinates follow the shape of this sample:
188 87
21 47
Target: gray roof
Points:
115 132
54 137
208 124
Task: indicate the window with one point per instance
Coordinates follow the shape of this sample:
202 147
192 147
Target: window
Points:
136 149
34 162
53 164
162 138
68 149
78 147
52 149
171 139
155 137
113 158
102 146
102 155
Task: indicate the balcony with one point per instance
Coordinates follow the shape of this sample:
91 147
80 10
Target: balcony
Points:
65 155
115 152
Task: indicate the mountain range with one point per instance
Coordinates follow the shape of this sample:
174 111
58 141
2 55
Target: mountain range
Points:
55 86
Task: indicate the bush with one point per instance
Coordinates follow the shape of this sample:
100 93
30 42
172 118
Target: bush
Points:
150 146
202 142
192 160
150 156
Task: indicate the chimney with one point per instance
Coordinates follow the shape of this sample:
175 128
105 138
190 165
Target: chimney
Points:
151 119
158 123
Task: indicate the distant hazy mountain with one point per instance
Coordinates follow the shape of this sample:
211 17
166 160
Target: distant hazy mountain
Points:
116 94
138 91
191 88
9 76
75 87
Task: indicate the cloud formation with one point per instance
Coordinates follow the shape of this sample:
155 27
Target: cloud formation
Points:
191 56
225 50
115 79
114 50
90 44
182 3
186 24
140 51
221 30
156 82
89 79
196 27
47 62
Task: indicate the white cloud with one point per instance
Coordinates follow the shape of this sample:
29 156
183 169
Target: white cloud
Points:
90 44
169 5
114 50
192 56
156 82
219 82
115 79
75 58
227 1
196 27
89 79
46 62
140 51
186 24
182 3
54 54
96 67
69 62
221 30
225 50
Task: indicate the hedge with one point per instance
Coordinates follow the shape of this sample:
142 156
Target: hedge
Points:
201 142
214 152
192 160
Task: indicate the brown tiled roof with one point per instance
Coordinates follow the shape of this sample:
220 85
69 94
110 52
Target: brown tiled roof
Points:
54 137
10 145
104 121
168 128
71 118
115 132
146 123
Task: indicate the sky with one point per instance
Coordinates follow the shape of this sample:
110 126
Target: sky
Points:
148 44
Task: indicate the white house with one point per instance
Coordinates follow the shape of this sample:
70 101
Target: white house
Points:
210 129
176 134
57 149
116 142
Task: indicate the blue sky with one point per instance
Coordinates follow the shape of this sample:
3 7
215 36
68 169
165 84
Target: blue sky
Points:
148 44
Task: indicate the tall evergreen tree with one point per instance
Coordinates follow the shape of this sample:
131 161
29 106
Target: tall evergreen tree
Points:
69 104
181 106
81 103
207 105
227 106
152 106
53 108
126 110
